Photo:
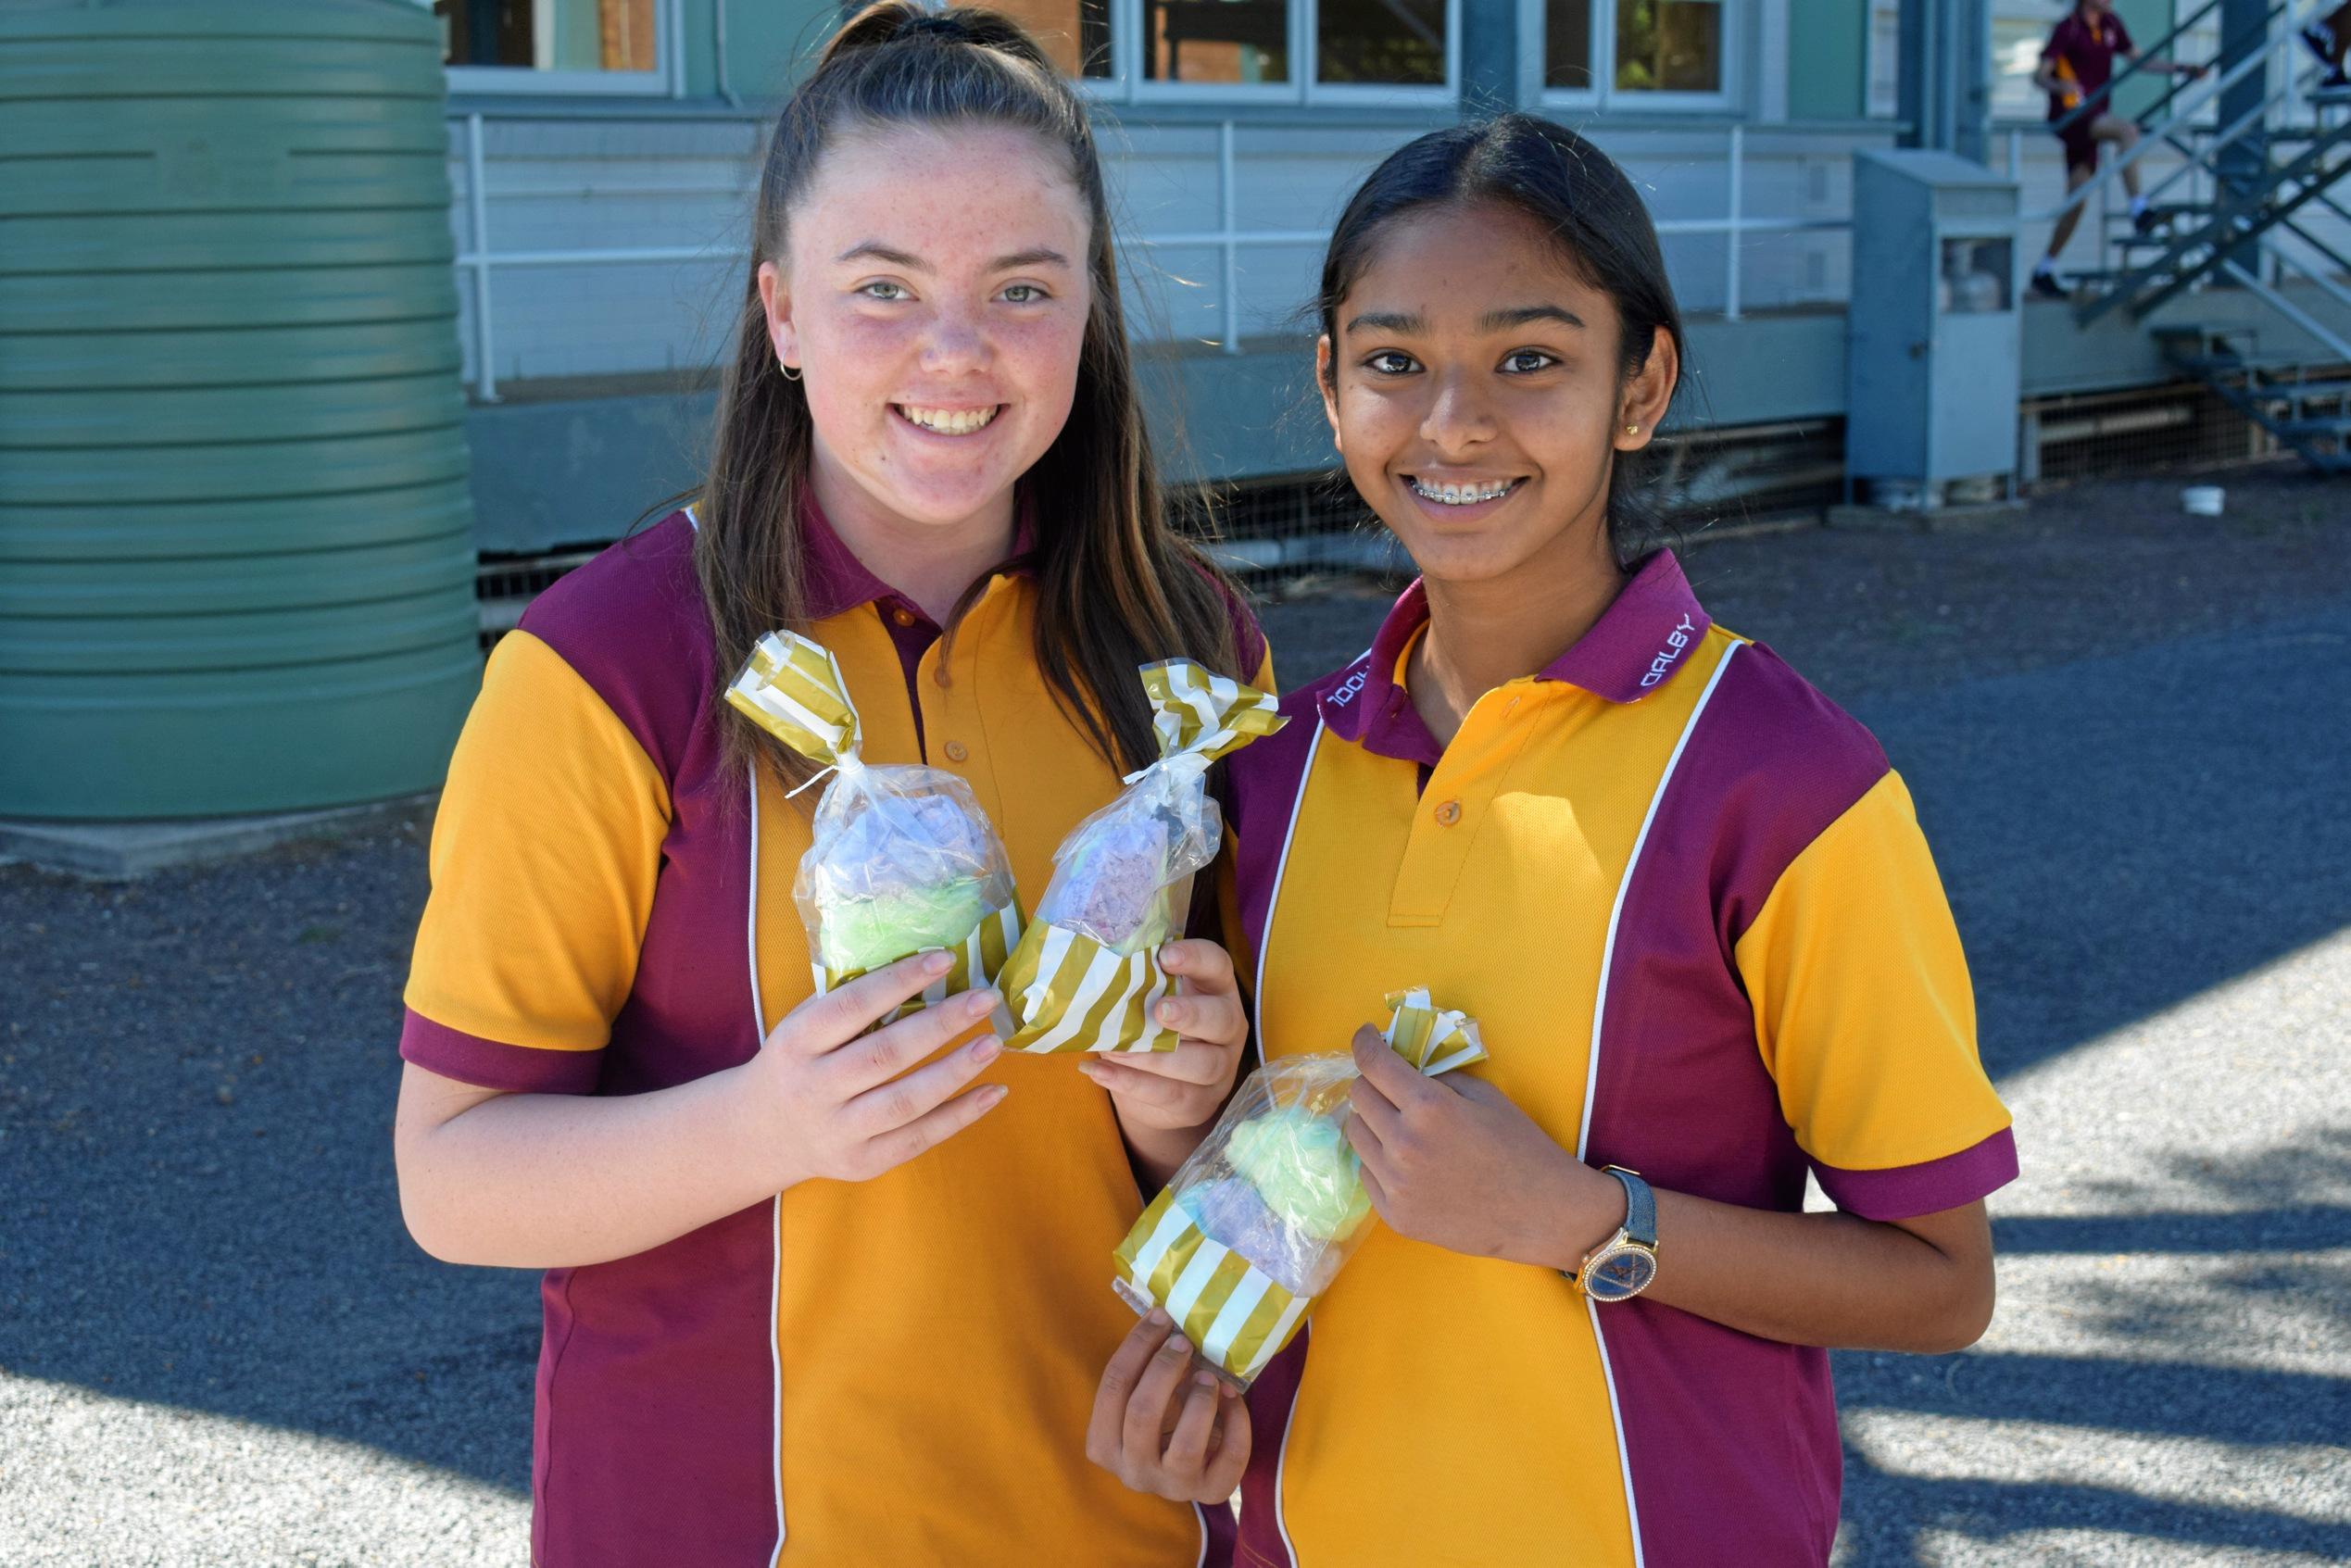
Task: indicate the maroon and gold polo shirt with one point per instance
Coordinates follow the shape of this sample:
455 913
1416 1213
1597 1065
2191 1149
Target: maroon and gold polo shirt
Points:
1690 905
898 1371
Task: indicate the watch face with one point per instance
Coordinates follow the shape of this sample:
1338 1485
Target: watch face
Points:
1620 1274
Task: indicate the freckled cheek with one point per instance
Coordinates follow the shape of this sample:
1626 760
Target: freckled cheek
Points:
1043 353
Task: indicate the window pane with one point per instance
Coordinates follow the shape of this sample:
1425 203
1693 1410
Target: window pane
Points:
1075 33
1668 45
548 35
1384 43
1567 44
1222 41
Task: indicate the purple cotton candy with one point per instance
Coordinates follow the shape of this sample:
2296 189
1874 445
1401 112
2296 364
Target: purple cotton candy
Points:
1230 1212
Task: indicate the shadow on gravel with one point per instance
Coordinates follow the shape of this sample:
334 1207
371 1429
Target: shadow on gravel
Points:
2164 1327
1901 1508
2122 834
2111 1393
2307 1228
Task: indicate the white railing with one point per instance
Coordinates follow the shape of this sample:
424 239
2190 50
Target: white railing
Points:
479 260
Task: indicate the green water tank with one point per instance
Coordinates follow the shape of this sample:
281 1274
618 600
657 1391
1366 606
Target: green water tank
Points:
236 555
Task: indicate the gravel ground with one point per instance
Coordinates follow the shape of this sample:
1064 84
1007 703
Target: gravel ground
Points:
2125 730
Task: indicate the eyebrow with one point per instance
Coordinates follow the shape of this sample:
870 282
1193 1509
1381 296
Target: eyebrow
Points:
875 250
1500 321
1387 321
1491 321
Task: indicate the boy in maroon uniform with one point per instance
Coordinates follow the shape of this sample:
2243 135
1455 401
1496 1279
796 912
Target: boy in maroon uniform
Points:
2076 62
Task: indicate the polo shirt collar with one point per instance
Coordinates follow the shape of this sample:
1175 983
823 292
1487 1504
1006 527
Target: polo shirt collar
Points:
837 582
1631 651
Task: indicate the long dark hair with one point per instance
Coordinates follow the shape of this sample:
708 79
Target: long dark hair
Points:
1116 586
1577 193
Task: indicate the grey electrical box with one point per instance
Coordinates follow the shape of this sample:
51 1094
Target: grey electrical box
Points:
1933 357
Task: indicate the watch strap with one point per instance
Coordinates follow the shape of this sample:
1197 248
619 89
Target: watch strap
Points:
1640 1206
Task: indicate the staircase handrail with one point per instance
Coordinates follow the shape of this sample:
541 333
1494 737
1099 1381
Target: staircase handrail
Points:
2286 307
2154 114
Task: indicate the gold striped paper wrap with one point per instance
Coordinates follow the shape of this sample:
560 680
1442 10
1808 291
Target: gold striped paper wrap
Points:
1068 992
1433 1039
1235 1314
1196 712
792 687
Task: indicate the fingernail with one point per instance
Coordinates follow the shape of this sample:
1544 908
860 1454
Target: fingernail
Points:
1156 1318
978 1002
1205 1379
995 1091
986 1050
1178 1344
1168 1013
938 963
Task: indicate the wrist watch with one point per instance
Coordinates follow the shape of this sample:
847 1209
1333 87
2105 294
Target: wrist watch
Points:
1622 1267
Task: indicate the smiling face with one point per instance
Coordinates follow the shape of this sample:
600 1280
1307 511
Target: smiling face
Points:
934 300
1474 391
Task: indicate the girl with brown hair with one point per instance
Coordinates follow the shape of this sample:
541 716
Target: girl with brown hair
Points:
816 1293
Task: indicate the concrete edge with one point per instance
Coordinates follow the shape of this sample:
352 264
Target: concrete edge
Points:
126 851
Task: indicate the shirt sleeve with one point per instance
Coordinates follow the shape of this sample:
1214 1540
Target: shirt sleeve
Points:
1868 1023
545 851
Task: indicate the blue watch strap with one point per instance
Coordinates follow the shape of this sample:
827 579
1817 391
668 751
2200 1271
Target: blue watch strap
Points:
1641 1206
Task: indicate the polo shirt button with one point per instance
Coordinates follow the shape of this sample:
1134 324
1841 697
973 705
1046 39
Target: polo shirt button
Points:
957 752
903 617
1449 813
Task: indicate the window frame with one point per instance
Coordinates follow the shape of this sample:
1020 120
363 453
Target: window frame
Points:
1127 85
662 81
1604 94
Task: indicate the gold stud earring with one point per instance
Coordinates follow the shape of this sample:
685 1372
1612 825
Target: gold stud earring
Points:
1632 430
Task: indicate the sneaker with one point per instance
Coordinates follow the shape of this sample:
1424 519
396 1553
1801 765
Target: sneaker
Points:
2320 41
2045 284
2146 221
2336 85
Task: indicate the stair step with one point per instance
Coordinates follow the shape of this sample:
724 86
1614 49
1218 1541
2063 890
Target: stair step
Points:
2261 362
2287 430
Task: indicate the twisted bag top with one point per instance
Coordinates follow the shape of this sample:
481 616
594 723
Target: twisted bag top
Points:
1198 715
792 687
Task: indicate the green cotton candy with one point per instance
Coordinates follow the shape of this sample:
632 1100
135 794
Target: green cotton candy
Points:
1302 1166
865 934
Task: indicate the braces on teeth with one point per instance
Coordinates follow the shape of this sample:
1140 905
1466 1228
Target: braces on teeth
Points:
1464 495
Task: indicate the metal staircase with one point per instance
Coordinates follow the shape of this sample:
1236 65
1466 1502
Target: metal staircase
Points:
2238 215
2284 393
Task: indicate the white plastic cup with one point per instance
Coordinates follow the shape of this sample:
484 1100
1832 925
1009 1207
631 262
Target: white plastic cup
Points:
2203 500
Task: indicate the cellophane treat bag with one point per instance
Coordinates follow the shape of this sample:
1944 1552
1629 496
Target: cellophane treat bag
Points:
1086 977
1261 1218
902 860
